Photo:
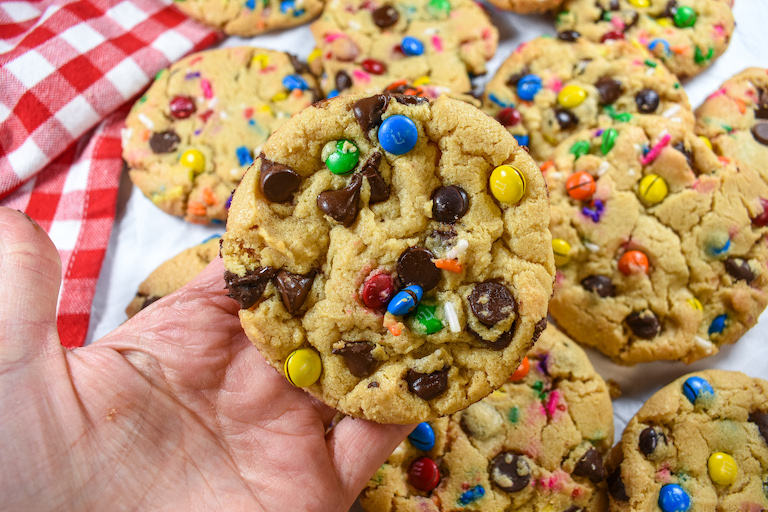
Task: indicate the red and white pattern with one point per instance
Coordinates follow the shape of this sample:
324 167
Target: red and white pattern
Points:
67 66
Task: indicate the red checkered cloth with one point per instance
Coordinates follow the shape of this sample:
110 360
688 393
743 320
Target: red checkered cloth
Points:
66 67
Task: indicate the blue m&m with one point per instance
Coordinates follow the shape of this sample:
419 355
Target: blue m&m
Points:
292 82
528 87
289 7
672 498
422 437
694 387
523 140
398 134
406 300
718 324
411 46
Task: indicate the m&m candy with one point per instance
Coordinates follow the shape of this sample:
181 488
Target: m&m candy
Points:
521 371
193 159
672 498
412 46
509 116
609 140
580 186
571 96
653 189
694 387
439 7
633 262
422 437
398 134
343 158
718 324
425 316
685 17
182 107
640 3
722 468
377 291
528 86
406 300
292 82
696 304
507 184
302 367
562 250
423 474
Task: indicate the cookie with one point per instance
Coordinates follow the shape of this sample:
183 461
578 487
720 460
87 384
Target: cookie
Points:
735 119
549 89
251 17
173 274
686 35
191 137
527 6
391 254
367 46
700 443
537 443
658 250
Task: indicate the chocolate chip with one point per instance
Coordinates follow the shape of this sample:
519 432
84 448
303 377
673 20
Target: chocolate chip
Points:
299 66
568 36
379 187
247 289
150 300
278 182
359 358
342 205
294 289
649 440
410 100
680 146
609 90
739 269
510 472
565 118
491 302
427 385
415 267
761 420
760 133
629 18
514 78
373 384
164 142
601 285
644 324
499 343
590 466
449 204
368 111
670 10
342 80
385 16
761 109
647 101
539 328
614 5
616 486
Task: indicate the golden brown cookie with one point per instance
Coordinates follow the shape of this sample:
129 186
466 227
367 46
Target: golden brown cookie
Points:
251 17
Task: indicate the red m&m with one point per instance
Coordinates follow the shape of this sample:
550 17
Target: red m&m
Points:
423 474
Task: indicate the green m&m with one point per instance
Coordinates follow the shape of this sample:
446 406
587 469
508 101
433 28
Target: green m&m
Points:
341 157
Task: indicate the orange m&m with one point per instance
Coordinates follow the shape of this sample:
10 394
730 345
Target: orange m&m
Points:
633 262
580 186
521 371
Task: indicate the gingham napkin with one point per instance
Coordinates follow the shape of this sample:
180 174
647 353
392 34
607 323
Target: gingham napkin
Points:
66 69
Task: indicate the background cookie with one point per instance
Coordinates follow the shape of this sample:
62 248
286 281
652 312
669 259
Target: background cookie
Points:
173 274
251 17
700 443
535 444
549 89
657 251
687 35
191 137
527 6
366 46
315 257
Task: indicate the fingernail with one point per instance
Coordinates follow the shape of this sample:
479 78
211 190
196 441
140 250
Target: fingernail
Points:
35 224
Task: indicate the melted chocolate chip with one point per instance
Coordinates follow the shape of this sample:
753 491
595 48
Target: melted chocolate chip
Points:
415 267
299 66
644 324
510 472
449 204
539 328
565 118
616 486
761 109
601 285
379 187
368 111
410 99
514 78
647 101
680 146
609 90
278 182
630 19
739 269
150 300
500 343
761 420
342 80
649 440
491 302
164 142
373 384
760 133
359 358
427 385
342 205
670 10
246 290
294 289
568 36
614 5
590 466
385 16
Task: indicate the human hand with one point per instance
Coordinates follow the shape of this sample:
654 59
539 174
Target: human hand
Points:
173 410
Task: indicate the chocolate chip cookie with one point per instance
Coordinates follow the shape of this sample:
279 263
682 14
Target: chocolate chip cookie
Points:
537 443
251 17
391 254
191 137
660 249
549 89
527 6
686 35
368 46
700 443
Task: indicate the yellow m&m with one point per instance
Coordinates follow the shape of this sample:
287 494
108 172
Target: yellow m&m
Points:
507 184
562 250
571 96
193 159
653 189
696 304
706 141
722 468
640 3
303 367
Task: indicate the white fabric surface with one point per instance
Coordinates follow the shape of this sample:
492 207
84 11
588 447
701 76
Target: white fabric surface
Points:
144 237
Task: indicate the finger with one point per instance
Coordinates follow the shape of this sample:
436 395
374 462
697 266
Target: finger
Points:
31 275
358 447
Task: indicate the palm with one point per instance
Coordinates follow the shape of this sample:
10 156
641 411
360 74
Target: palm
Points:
175 409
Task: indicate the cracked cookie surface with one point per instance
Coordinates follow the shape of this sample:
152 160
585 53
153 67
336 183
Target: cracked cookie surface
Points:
251 17
537 443
701 440
191 137
328 266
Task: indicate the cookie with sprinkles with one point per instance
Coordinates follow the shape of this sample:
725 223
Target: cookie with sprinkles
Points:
686 35
735 120
251 17
173 274
368 46
190 138
537 443
391 254
700 443
658 252
550 88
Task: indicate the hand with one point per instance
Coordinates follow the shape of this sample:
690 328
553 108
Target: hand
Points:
174 410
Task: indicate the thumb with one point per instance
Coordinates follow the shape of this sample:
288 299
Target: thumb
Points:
31 275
